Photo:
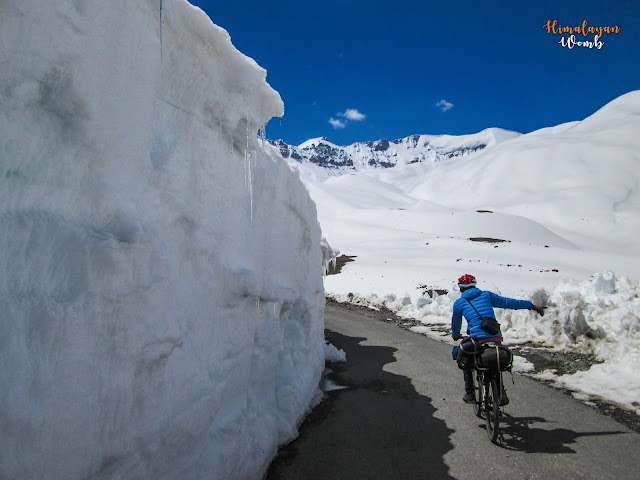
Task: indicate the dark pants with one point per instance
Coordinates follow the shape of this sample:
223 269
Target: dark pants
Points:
468 380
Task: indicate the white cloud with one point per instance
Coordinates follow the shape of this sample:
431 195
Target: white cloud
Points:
337 124
353 115
444 105
349 115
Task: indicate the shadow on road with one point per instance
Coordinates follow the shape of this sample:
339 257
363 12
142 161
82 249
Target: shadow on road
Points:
377 427
518 434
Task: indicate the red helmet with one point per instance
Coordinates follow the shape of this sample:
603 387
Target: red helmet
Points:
467 281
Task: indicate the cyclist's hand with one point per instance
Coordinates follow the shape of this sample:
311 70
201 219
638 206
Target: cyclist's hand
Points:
539 309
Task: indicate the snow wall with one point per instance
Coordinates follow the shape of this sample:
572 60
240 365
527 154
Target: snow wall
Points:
161 299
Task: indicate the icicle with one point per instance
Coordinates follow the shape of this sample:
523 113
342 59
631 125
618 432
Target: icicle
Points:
248 112
250 188
262 132
247 166
246 152
161 21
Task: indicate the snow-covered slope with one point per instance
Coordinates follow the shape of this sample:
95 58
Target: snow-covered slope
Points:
583 182
574 187
549 216
160 285
320 158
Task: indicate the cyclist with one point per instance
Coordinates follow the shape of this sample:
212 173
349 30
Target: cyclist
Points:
482 306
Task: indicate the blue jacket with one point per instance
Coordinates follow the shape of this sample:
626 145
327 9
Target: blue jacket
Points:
484 301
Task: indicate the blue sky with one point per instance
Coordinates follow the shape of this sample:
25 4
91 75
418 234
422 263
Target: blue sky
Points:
354 70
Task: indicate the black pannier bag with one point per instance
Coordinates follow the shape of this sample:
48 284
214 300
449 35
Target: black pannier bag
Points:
495 358
469 348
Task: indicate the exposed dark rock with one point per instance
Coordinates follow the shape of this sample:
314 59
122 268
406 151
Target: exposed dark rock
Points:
381 146
488 240
341 261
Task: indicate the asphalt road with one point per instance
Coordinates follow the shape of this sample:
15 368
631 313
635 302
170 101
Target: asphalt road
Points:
402 417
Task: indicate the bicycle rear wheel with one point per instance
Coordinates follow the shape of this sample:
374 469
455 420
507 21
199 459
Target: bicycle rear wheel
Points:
492 406
478 393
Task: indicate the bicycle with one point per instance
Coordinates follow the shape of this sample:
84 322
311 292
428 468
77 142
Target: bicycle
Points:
489 361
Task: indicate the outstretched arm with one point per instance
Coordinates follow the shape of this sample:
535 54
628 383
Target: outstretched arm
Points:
512 303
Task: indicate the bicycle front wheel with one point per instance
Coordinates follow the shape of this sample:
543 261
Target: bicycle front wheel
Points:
478 392
492 404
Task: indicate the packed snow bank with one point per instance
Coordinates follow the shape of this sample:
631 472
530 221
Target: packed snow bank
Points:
160 283
334 354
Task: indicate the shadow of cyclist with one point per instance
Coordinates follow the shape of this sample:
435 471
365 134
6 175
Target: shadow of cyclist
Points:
518 434
377 427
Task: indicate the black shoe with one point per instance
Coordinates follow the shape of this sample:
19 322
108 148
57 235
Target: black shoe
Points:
504 400
469 398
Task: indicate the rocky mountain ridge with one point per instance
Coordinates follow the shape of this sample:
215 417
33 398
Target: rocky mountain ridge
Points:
386 154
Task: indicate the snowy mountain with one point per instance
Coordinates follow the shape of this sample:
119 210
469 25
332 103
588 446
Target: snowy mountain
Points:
338 160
